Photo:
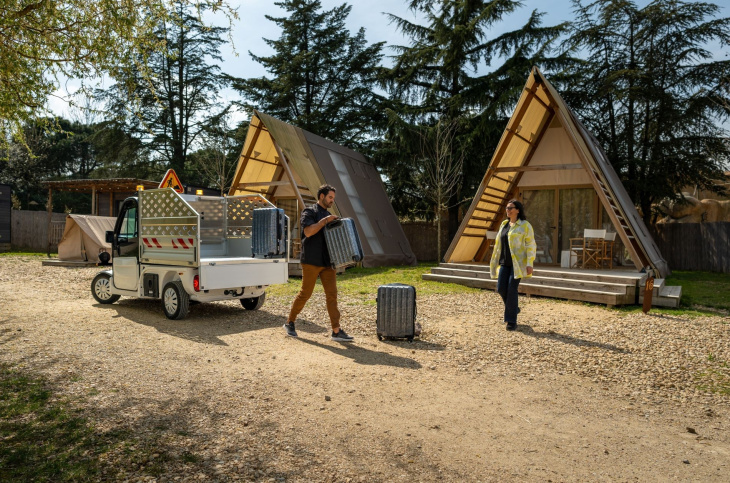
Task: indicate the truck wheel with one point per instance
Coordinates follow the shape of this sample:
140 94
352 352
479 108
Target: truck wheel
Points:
175 300
101 289
254 303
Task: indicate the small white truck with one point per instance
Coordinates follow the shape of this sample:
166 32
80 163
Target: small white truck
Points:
181 248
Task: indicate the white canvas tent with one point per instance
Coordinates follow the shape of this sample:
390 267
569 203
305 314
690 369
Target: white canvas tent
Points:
83 238
548 159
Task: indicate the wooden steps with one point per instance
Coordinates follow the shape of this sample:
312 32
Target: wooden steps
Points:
663 295
597 286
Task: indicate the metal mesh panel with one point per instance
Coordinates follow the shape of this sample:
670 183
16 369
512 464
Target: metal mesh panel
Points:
212 217
164 213
240 214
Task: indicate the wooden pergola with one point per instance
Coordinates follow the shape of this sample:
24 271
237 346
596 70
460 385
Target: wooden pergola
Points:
95 187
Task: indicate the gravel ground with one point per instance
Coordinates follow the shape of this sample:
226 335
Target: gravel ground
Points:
577 393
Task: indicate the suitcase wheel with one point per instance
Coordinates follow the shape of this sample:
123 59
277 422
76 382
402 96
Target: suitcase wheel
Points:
410 340
380 337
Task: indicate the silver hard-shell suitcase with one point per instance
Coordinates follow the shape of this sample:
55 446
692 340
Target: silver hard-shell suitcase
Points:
343 243
269 233
396 312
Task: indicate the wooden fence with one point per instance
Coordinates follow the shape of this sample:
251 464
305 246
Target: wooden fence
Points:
694 246
422 237
29 230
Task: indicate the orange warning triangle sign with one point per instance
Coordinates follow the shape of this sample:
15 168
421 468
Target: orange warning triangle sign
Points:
172 181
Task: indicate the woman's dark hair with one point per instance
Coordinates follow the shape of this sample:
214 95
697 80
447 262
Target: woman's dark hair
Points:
325 190
520 209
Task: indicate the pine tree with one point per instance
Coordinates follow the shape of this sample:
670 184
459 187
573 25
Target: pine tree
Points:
167 97
653 95
321 77
438 79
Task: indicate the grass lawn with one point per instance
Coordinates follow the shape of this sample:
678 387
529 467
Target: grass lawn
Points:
704 289
700 290
41 439
364 282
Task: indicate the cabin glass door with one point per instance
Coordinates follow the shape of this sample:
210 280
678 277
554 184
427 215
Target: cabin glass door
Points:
540 211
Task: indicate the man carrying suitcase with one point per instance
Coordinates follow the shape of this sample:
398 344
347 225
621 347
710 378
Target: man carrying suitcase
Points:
315 262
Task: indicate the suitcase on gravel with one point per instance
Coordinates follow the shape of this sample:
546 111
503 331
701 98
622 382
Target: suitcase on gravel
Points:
269 233
343 243
396 312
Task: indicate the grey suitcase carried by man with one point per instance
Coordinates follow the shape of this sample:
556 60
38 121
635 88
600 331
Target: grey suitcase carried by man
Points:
396 317
343 243
269 233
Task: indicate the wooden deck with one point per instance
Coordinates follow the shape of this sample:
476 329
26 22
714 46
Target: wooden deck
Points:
610 287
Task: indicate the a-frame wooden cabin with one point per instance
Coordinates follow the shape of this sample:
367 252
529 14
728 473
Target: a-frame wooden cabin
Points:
287 165
547 159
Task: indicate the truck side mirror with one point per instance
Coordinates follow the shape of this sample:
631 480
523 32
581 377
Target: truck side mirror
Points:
110 237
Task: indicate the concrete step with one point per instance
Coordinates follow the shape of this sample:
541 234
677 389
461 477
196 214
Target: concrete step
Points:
543 290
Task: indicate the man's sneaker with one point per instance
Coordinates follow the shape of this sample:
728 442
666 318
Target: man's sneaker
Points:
511 326
290 329
342 336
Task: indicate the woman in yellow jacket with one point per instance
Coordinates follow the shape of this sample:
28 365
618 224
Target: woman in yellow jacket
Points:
512 258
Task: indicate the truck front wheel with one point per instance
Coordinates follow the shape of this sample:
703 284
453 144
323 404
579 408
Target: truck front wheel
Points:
254 303
101 289
175 300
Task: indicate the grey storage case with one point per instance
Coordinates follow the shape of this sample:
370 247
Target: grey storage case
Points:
343 243
396 313
269 233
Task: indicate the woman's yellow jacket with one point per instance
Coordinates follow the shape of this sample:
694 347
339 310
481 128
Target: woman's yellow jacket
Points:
522 244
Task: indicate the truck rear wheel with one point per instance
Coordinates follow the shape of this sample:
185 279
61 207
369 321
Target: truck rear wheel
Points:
101 289
254 303
175 300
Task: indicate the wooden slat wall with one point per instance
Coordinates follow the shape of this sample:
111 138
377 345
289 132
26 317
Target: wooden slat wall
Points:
30 229
694 246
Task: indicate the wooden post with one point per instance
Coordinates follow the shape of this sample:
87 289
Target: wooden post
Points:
50 217
94 206
648 291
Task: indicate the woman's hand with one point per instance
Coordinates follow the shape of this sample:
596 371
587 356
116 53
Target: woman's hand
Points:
529 270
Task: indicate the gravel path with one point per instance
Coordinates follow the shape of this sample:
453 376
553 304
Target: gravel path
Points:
578 393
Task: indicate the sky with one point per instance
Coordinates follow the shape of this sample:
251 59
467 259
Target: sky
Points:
252 26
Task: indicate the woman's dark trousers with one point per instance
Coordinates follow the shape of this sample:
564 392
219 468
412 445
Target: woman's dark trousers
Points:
507 286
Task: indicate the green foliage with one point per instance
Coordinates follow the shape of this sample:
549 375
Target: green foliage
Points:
166 96
44 42
652 94
322 77
436 78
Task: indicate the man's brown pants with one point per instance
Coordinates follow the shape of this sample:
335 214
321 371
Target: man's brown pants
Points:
328 276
